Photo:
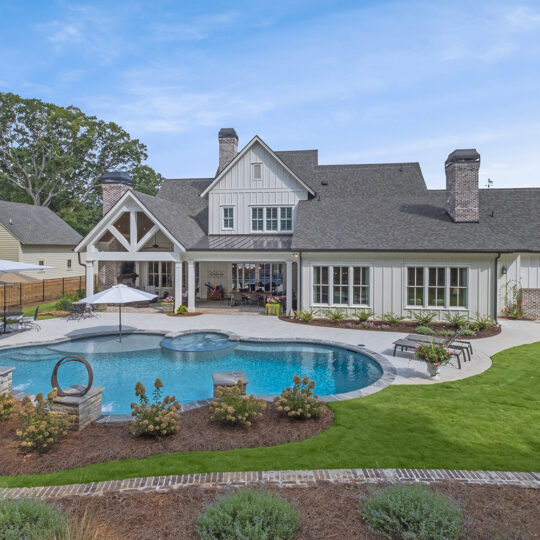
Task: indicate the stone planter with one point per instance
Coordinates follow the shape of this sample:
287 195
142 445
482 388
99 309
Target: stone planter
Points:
273 309
168 307
433 370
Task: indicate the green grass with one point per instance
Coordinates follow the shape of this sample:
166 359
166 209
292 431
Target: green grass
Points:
489 421
49 306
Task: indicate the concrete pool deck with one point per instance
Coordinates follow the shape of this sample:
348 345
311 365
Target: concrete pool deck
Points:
409 370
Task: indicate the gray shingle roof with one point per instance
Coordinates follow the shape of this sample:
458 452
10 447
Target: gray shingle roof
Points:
377 207
37 225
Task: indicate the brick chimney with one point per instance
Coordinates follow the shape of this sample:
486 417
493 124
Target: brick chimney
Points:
228 147
114 184
462 203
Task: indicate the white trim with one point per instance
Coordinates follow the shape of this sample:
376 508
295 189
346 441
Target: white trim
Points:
264 208
222 214
110 217
253 179
142 242
244 150
119 236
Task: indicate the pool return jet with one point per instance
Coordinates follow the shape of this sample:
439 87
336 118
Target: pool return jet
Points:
118 294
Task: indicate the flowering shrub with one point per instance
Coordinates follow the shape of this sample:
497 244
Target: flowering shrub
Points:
273 300
168 300
232 407
432 353
42 426
155 419
299 401
181 309
514 306
6 405
372 325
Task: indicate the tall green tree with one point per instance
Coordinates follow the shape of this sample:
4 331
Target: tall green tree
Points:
55 156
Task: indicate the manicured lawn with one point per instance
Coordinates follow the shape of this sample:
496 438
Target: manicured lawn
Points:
29 311
490 421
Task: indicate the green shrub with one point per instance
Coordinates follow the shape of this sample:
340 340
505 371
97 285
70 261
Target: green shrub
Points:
6 406
299 401
232 407
31 519
65 303
336 315
305 315
413 512
481 322
362 315
458 320
160 418
425 330
42 427
445 333
249 514
422 318
468 332
391 318
181 309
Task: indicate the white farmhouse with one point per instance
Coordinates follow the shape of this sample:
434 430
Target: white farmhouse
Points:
348 236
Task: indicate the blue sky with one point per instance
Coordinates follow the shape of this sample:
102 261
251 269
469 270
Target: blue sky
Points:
363 82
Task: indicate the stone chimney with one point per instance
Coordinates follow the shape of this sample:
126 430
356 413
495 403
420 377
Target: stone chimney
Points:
114 185
228 147
462 203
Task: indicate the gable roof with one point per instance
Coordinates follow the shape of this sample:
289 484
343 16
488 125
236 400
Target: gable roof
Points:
242 152
36 225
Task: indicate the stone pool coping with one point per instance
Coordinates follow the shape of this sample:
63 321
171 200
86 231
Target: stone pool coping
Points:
386 379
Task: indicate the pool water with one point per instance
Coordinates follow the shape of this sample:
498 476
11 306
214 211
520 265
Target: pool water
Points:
269 367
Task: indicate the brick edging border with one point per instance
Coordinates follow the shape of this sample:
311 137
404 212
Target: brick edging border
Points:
306 478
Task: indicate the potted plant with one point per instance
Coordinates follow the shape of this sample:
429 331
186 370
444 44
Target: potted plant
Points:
168 304
273 305
434 355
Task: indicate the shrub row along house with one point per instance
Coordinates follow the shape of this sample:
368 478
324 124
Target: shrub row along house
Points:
350 236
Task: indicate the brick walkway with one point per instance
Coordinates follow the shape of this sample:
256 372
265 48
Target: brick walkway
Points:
281 479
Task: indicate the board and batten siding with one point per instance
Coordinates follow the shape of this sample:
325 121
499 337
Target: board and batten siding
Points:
9 245
237 189
55 256
388 279
522 269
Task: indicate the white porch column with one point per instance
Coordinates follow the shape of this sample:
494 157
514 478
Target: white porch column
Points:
177 285
89 278
289 290
191 285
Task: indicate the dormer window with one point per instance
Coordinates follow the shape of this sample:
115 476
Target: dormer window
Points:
256 171
271 219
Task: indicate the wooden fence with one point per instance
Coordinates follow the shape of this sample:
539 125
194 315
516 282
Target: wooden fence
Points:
47 290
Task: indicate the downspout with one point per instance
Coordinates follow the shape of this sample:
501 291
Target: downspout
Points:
496 288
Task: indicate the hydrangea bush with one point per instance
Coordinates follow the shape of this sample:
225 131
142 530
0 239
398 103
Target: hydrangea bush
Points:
156 419
42 427
232 407
299 401
6 406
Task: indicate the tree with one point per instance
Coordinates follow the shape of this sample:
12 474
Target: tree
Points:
55 156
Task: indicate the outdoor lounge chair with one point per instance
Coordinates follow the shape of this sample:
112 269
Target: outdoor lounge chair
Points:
25 323
408 344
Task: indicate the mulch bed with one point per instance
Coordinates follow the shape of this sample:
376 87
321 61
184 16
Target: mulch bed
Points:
105 442
328 511
405 327
186 314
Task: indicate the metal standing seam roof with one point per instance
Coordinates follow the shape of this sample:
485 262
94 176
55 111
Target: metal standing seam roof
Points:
37 225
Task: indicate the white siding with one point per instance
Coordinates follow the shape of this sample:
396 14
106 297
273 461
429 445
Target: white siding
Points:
522 270
237 189
389 275
55 256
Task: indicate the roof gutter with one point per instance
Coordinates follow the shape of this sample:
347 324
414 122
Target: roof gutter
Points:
496 287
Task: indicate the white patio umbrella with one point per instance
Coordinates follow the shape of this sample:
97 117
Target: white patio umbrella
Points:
118 294
7 267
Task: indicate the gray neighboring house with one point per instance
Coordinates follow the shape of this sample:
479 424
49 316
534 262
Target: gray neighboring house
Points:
369 236
36 235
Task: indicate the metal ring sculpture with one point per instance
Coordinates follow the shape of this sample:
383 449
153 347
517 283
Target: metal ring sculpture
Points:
54 377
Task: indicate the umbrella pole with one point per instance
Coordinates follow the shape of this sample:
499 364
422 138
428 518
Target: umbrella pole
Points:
120 320
4 330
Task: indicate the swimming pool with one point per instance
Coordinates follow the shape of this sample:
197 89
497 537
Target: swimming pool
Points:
187 373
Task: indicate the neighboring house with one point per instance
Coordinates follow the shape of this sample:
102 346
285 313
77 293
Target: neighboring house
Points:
35 234
348 236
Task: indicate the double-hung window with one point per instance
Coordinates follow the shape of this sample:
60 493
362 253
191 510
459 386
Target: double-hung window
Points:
320 284
228 218
437 287
341 284
257 219
271 219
